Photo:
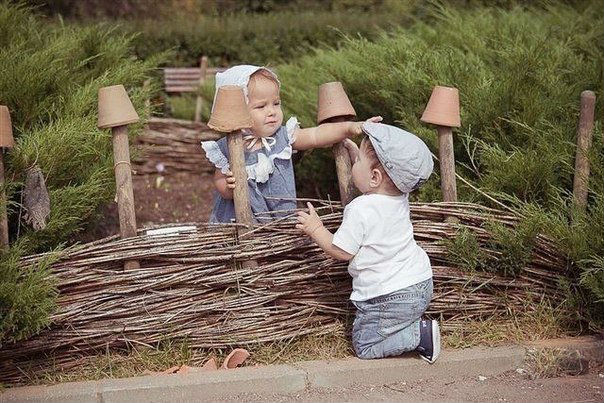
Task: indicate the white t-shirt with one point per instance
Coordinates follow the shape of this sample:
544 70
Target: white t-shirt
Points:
377 230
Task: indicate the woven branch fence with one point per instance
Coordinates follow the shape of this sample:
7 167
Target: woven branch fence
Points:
191 286
169 146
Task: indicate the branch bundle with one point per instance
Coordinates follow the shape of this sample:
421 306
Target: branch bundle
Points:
170 145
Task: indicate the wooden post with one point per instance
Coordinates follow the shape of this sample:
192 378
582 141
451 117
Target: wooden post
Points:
6 141
230 115
446 157
241 199
334 106
124 189
116 112
344 172
584 138
146 85
443 111
203 68
3 216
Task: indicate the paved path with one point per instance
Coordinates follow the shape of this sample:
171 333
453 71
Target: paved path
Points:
454 377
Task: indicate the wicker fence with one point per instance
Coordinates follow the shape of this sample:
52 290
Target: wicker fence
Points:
192 286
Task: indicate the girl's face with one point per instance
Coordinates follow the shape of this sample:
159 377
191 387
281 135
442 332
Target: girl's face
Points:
265 106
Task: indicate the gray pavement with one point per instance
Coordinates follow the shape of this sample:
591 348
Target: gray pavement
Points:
288 380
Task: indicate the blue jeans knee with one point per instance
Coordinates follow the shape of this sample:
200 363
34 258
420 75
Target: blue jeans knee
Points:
389 325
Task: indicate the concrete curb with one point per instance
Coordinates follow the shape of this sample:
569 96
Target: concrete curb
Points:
281 379
452 363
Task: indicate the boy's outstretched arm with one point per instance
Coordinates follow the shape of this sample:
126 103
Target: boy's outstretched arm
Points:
312 225
328 134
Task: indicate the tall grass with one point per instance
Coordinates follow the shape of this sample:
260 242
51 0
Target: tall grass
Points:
49 80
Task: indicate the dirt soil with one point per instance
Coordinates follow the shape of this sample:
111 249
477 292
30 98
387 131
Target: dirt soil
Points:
507 387
180 197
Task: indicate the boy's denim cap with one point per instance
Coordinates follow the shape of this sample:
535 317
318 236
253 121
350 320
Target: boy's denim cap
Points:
404 156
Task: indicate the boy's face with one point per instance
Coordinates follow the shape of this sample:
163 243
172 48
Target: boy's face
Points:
265 106
362 174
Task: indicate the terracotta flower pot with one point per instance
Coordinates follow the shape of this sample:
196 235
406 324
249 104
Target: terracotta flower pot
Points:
333 102
443 107
210 365
6 128
235 358
115 108
230 111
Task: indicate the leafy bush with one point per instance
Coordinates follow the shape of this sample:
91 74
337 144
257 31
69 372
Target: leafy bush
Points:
49 80
464 250
519 81
519 73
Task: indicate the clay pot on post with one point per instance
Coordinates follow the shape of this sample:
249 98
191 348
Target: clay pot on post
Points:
6 141
334 106
443 111
230 115
117 112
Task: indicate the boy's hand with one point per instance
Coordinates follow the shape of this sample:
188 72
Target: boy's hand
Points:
230 180
309 222
357 128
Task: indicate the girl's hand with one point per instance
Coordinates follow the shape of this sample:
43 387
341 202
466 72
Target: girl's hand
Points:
230 180
357 128
309 222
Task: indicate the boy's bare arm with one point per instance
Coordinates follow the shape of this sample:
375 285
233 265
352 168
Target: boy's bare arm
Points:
312 225
224 183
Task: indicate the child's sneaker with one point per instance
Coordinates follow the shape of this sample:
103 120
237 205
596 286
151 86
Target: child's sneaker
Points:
429 340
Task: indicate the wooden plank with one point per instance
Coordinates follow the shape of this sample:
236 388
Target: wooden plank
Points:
181 89
179 75
181 70
185 83
186 79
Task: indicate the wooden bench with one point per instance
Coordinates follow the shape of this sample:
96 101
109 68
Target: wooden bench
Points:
178 80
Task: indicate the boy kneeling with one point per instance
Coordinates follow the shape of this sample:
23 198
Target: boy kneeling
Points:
391 274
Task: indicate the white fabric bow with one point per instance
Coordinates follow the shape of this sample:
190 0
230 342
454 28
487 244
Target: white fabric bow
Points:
267 142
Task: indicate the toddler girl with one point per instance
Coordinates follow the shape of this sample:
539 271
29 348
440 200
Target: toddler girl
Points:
268 147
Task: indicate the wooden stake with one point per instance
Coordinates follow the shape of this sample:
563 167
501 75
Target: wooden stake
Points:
343 165
3 218
203 68
446 157
344 172
584 137
243 212
123 183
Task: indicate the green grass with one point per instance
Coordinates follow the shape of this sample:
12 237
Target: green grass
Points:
543 322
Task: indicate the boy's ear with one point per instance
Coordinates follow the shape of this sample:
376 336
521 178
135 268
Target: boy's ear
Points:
376 178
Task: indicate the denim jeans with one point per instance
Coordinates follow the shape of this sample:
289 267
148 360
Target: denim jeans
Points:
388 325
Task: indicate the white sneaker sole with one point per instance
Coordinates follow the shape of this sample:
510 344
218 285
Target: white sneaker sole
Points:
435 341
